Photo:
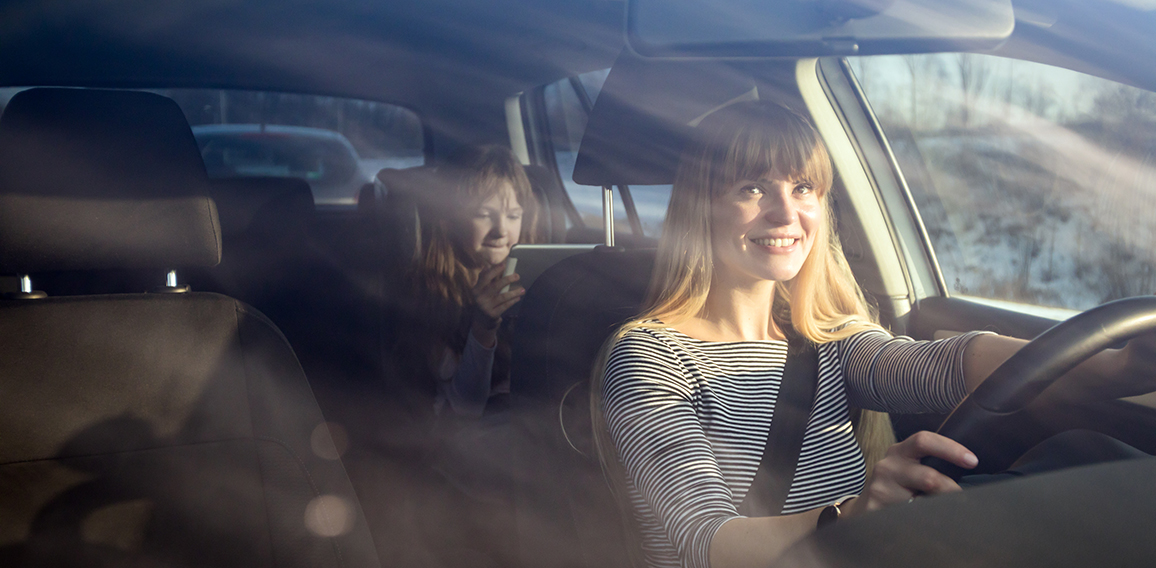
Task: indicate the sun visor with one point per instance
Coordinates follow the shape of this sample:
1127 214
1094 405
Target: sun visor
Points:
646 110
814 28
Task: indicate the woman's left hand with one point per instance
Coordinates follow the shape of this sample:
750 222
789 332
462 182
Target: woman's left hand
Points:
899 476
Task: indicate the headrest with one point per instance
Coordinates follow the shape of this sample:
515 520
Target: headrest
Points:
97 179
258 206
568 313
647 109
419 182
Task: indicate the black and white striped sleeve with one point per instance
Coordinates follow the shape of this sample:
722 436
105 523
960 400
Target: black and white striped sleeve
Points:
899 374
662 445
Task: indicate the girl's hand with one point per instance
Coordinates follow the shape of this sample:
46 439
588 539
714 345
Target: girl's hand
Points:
899 476
489 301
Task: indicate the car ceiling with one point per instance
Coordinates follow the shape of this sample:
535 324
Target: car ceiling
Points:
443 57
416 53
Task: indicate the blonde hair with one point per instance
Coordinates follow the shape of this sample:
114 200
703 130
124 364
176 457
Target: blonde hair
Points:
821 304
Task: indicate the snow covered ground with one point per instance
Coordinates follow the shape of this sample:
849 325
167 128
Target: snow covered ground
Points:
1046 217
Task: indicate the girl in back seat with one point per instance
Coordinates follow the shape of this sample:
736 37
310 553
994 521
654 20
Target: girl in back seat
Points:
486 208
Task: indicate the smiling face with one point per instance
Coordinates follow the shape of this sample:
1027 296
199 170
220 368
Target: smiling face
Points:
493 227
764 229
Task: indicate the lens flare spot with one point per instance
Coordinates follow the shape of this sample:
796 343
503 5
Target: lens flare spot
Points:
329 441
329 515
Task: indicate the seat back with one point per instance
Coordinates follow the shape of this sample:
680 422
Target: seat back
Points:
168 429
266 225
566 515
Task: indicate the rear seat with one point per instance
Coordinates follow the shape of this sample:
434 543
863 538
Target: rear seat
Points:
265 226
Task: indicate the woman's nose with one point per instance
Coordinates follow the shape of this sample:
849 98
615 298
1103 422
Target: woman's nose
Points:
779 207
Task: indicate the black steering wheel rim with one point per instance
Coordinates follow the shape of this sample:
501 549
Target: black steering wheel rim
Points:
983 421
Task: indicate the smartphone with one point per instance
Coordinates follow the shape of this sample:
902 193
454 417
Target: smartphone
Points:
511 264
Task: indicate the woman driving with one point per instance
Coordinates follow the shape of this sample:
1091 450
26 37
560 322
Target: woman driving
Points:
685 394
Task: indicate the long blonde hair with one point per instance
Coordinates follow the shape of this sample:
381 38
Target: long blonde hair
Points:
822 303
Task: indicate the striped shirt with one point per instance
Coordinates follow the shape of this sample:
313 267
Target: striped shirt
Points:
689 419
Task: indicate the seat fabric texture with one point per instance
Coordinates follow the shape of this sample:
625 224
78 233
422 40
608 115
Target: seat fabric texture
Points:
267 259
172 429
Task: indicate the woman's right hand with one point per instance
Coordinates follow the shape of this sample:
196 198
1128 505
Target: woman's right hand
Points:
899 476
490 303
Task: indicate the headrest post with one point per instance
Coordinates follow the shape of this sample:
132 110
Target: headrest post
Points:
26 292
170 286
608 213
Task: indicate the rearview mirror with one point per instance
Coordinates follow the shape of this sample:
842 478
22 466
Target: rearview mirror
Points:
814 28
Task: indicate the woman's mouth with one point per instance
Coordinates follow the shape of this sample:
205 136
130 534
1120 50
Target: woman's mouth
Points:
778 243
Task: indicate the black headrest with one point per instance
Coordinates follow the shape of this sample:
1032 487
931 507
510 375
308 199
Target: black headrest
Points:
257 206
399 198
95 179
568 313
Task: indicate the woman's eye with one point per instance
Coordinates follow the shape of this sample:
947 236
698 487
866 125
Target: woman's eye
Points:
804 188
752 189
514 217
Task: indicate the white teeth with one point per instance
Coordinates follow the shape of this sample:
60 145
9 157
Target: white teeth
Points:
774 242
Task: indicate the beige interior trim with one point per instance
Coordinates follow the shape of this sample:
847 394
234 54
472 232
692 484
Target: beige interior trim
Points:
516 130
862 199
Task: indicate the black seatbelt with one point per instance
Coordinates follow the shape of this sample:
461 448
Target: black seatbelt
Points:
769 488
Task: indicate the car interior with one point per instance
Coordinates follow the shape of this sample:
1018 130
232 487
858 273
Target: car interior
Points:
205 371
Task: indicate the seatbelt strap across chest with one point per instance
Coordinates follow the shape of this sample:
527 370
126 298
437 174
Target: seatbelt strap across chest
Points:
772 481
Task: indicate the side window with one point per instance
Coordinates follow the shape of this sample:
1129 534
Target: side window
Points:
1036 184
567 114
337 145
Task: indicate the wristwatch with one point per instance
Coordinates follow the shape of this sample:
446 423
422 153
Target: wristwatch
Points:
831 512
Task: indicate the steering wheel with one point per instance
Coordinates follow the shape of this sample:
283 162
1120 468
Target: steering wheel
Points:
992 421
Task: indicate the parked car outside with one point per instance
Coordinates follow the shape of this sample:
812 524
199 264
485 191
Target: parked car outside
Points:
324 158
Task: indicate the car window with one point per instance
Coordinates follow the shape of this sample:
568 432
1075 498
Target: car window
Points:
307 154
1035 183
567 118
335 144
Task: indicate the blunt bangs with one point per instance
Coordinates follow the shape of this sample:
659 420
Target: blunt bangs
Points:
477 173
750 141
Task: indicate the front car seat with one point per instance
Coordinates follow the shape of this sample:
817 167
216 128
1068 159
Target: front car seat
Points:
566 516
146 429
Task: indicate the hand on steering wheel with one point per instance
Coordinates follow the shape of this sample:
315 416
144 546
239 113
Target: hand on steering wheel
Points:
899 476
993 422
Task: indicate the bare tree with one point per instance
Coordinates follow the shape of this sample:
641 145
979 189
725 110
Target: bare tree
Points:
974 72
1122 103
912 62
